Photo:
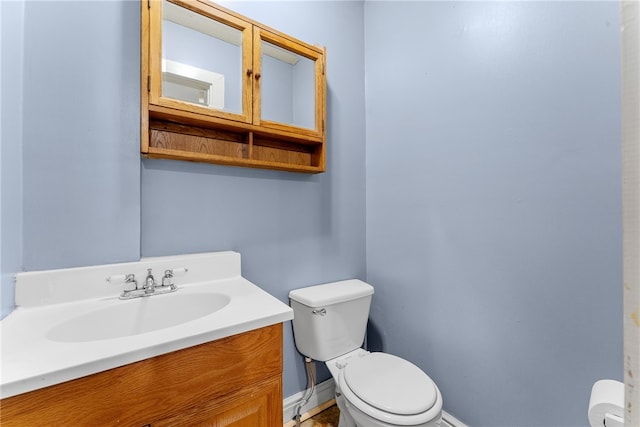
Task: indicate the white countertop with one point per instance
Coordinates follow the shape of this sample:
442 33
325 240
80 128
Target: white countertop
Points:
30 360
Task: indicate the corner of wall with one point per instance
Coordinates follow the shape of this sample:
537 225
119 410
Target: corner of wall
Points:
11 70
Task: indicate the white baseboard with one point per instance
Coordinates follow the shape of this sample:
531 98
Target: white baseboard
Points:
449 420
325 391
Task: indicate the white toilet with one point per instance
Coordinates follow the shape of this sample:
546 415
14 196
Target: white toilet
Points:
372 389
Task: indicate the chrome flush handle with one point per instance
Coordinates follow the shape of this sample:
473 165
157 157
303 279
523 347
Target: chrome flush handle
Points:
321 312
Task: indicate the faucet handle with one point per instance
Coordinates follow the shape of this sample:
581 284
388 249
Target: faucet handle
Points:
170 274
119 278
129 280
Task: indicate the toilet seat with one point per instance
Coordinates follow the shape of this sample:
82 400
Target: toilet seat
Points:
390 389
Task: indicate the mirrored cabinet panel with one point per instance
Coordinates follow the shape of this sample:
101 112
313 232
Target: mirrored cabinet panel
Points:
201 60
218 87
287 87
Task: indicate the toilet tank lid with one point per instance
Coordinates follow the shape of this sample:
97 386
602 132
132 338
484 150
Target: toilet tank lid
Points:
331 293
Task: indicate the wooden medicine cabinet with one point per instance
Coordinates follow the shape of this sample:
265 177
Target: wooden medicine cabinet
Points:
218 87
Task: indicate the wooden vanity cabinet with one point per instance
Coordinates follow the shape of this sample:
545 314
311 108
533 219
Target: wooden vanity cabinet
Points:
221 88
235 381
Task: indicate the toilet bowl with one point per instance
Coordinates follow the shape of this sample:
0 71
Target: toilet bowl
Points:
372 389
383 390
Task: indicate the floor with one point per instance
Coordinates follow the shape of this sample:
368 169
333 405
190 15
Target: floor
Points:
327 418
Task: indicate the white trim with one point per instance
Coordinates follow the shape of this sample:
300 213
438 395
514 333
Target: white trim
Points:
630 16
325 391
449 420
208 84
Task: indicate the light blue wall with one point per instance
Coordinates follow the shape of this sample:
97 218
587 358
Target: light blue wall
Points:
11 77
87 200
81 137
493 201
492 183
292 229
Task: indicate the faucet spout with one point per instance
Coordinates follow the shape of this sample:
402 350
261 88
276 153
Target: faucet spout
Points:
149 283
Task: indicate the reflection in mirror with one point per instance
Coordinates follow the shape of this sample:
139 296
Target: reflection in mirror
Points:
201 60
192 84
287 87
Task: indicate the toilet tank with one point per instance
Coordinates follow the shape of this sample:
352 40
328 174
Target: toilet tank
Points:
330 320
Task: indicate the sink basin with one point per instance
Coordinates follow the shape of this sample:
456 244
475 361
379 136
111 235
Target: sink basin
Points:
69 323
138 316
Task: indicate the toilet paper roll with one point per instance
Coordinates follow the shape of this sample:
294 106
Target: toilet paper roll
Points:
607 397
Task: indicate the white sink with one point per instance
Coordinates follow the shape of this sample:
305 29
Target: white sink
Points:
137 316
70 323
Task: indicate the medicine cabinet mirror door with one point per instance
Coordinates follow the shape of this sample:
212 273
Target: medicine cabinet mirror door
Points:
200 60
289 84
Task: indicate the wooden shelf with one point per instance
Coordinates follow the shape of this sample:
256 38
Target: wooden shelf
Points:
177 141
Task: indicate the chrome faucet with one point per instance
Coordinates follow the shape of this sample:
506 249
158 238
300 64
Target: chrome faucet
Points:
133 289
149 283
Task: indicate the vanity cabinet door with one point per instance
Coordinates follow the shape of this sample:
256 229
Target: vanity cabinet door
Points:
257 406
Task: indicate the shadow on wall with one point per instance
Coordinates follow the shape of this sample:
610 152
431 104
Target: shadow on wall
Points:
374 337
227 171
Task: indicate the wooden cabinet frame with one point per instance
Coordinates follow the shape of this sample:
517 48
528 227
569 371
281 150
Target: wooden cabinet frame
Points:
173 129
